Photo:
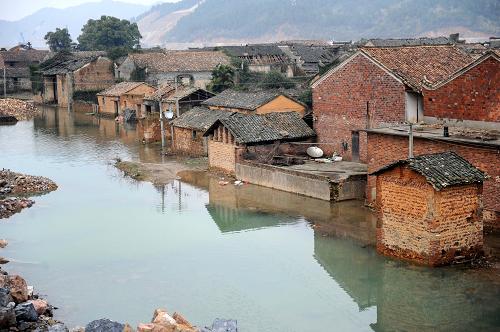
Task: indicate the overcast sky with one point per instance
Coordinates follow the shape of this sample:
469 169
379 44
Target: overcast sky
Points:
15 9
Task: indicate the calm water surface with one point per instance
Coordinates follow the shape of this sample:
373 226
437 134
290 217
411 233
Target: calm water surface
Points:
105 246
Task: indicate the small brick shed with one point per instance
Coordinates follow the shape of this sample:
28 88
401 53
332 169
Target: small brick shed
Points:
429 209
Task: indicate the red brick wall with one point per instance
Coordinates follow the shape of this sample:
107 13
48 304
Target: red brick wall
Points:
186 144
384 149
475 95
340 104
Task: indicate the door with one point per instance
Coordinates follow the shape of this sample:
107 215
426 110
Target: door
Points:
116 107
355 146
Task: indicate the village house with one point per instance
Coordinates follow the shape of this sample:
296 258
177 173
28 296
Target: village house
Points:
255 102
124 95
177 99
232 137
377 87
262 58
192 68
17 62
465 118
189 128
429 209
68 75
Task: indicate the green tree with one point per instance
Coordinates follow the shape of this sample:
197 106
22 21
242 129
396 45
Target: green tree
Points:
59 40
276 80
222 78
111 34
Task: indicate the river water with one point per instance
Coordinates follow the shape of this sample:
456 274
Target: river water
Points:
103 245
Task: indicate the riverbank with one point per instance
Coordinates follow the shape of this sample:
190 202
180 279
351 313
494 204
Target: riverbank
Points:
161 173
20 109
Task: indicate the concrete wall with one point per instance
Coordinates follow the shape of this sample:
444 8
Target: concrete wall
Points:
286 180
417 223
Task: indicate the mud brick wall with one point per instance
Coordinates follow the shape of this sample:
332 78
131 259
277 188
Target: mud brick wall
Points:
471 96
358 95
417 223
185 143
221 156
384 149
97 75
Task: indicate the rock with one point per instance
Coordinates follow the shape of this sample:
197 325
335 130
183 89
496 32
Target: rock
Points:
59 327
224 325
162 317
5 297
180 319
7 317
3 243
145 327
104 325
18 288
128 328
77 329
40 305
26 312
3 260
152 327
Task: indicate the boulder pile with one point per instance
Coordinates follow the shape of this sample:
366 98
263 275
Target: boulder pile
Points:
10 206
12 183
20 109
20 310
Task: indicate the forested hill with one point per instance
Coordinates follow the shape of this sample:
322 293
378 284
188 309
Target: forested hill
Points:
264 20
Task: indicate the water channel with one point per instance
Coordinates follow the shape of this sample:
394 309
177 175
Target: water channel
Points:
103 245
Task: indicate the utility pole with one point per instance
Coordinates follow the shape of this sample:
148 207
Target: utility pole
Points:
4 84
162 128
410 143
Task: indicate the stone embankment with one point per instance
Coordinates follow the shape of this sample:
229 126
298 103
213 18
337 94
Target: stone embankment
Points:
20 109
14 184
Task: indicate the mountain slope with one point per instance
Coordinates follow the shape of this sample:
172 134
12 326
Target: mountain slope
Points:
259 20
33 28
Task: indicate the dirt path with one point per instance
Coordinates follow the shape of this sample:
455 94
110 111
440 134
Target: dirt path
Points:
161 173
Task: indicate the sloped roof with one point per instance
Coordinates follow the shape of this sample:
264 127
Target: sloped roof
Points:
416 65
120 89
184 91
254 50
392 42
23 72
62 63
250 128
24 55
200 118
161 92
247 100
441 170
315 54
180 61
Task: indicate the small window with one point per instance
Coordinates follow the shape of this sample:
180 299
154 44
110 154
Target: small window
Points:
193 134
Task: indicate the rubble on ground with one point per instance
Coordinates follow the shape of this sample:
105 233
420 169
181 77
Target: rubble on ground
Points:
20 109
12 183
10 206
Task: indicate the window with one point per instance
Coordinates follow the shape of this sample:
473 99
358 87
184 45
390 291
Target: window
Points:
193 134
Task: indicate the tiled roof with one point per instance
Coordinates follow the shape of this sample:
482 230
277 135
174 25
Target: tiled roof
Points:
184 91
63 63
120 89
420 64
406 42
199 118
25 55
22 72
315 54
253 50
242 99
250 128
441 170
162 92
180 61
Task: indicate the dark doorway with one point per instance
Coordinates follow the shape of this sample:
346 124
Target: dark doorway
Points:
355 146
116 107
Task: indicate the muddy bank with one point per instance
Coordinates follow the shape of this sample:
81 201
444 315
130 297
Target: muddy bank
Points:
17 184
160 173
20 109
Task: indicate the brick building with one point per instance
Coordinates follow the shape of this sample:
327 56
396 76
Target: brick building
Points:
378 87
68 74
232 137
121 96
192 68
429 209
255 102
17 64
188 130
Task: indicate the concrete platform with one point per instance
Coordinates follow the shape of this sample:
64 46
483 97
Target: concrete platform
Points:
337 181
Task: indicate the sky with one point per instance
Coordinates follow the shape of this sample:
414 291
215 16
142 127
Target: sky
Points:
17 9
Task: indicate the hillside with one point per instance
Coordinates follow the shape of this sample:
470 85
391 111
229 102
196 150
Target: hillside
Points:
267 20
33 28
